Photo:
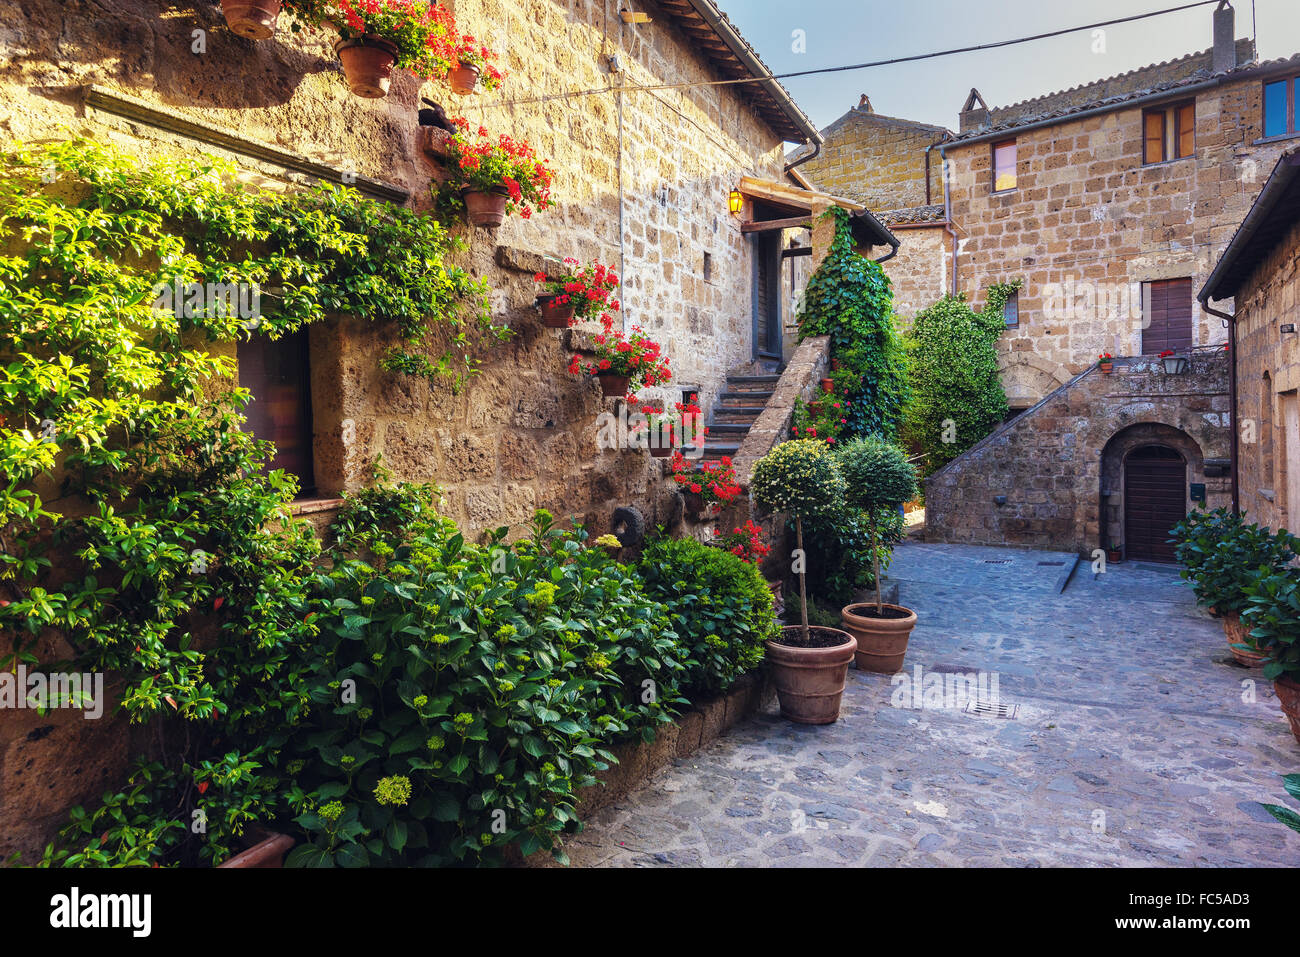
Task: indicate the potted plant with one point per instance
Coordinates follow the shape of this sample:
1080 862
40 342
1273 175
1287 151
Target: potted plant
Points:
378 36
745 542
1115 554
1106 362
254 19
819 420
1272 616
879 479
578 293
809 665
1224 558
667 431
495 177
472 66
623 362
706 486
828 385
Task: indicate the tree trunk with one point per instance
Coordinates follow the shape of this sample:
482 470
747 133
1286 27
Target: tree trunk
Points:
803 593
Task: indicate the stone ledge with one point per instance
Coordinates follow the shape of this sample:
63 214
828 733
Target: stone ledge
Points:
799 380
525 260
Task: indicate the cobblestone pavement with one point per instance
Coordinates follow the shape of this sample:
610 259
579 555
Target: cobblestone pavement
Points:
1135 742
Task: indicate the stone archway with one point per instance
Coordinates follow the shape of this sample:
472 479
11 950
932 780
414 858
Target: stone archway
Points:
1140 442
1027 379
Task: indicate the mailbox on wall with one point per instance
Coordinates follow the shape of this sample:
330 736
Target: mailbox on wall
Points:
1198 492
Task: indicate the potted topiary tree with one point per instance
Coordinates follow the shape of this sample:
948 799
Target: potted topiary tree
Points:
809 665
879 478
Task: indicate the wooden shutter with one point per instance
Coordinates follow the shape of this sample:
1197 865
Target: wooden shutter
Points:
1169 309
277 374
1185 127
1154 502
1153 143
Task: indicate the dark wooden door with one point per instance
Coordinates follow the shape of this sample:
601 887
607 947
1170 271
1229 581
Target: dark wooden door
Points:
1154 501
1169 317
277 374
767 294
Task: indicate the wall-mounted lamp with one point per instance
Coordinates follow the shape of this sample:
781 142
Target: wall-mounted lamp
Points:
735 201
1174 365
1287 328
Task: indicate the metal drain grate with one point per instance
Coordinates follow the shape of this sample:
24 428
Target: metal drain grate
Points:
1052 564
990 710
997 561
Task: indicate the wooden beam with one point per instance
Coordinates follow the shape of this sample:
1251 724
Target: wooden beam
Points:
766 225
796 251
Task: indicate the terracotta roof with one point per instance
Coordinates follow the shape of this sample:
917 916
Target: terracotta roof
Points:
914 216
1116 91
731 55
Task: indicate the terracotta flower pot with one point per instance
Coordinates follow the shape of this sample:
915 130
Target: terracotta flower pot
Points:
612 385
267 853
694 501
462 78
1239 634
815 408
661 451
1288 696
882 642
555 316
1106 367
254 19
1114 556
828 386
810 681
485 209
367 64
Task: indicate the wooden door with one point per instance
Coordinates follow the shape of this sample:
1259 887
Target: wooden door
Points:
277 374
1168 316
767 294
1154 502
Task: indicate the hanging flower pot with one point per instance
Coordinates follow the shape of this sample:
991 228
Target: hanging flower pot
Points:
827 386
557 311
367 64
254 19
613 386
661 451
1106 363
486 209
694 501
463 77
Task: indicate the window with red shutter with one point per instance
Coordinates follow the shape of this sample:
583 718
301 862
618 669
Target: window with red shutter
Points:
1167 315
277 373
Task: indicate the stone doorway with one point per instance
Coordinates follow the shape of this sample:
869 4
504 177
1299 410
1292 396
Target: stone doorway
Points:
1155 479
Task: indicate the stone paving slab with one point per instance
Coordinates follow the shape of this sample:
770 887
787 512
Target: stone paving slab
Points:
1136 742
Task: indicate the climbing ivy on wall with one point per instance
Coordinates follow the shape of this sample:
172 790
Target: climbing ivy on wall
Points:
957 396
850 299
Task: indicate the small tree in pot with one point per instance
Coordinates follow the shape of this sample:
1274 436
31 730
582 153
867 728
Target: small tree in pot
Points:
809 665
879 479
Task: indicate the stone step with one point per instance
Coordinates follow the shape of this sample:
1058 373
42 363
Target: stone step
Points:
733 413
728 428
752 383
744 399
716 450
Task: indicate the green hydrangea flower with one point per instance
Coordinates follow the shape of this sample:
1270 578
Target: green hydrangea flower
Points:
597 661
331 812
395 791
435 743
420 700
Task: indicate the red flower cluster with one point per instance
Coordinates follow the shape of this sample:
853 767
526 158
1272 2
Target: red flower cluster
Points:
588 288
714 481
661 423
636 356
483 164
746 542
424 35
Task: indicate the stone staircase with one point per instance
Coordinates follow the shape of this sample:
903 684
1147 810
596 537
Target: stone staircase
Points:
736 410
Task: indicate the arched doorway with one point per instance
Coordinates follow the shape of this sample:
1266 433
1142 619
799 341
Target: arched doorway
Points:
1155 500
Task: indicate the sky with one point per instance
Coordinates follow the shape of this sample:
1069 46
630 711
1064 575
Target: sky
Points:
838 32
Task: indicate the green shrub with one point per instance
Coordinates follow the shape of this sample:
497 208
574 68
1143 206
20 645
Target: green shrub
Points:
879 480
1224 556
719 605
1272 614
841 558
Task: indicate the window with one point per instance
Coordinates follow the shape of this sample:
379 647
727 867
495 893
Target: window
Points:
1004 166
1280 99
276 373
1011 310
1169 132
1166 316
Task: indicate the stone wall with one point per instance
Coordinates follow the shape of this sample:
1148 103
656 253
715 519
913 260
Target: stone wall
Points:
1087 212
523 433
919 272
1052 465
1268 381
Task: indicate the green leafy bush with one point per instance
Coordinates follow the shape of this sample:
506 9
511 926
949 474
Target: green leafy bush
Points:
1272 615
720 607
956 389
840 554
850 299
1224 557
1288 816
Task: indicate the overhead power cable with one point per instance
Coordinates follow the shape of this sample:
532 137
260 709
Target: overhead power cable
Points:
595 91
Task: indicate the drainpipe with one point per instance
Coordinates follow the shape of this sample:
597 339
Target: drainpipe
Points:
947 211
1231 320
816 149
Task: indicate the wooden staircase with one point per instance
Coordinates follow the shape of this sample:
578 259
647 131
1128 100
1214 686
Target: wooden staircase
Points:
735 411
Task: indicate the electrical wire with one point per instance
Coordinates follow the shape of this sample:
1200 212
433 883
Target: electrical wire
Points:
595 91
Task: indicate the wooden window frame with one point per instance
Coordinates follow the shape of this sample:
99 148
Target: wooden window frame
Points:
1013 301
1015 167
1170 121
1291 120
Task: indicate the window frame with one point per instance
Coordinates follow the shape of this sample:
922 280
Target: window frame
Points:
1015 165
1012 303
1290 119
1171 132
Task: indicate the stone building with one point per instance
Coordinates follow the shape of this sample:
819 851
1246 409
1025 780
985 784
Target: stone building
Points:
642 180
1260 273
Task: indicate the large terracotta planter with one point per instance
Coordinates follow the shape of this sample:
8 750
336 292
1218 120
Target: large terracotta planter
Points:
367 64
485 209
882 642
1288 696
613 386
254 19
1238 634
463 78
810 681
555 316
267 853
1106 367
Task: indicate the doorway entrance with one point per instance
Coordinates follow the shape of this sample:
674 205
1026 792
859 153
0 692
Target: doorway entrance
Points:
1155 500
